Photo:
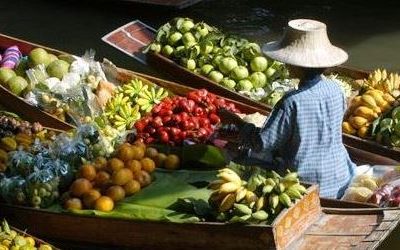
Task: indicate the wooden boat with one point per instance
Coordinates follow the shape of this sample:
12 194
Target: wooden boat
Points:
37 240
187 77
303 226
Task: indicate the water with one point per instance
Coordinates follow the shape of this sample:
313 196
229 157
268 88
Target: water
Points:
368 31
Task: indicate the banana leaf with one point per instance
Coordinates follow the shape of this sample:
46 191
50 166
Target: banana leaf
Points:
154 202
197 156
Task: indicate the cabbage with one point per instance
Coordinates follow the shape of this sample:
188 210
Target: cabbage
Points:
216 76
258 79
259 64
239 73
227 64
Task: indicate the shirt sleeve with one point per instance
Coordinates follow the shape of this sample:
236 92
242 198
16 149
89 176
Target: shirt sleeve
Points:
271 137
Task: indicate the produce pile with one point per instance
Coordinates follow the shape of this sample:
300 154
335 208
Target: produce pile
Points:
11 239
263 196
177 119
232 62
68 87
131 101
103 182
18 134
36 176
383 191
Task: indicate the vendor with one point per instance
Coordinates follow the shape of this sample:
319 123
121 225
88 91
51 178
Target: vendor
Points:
304 129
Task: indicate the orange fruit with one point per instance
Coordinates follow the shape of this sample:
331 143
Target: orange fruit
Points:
73 203
159 160
122 176
115 164
138 152
143 178
125 153
172 162
88 172
90 197
151 153
140 144
132 187
102 178
134 165
100 163
116 193
80 186
104 204
148 165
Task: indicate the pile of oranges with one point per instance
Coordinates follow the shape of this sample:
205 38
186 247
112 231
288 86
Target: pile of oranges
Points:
104 182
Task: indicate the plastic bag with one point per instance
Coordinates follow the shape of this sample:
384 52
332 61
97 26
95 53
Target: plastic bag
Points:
21 163
12 190
42 188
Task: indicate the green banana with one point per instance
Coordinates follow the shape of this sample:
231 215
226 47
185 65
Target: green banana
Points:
241 209
260 215
300 188
293 193
267 189
240 219
260 203
285 200
273 201
270 181
279 188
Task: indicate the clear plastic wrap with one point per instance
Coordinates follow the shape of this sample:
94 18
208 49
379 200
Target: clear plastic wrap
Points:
42 188
12 190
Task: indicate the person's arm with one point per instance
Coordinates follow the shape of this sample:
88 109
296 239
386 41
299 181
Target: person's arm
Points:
262 143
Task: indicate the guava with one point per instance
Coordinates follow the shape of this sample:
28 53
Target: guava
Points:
6 74
17 84
58 69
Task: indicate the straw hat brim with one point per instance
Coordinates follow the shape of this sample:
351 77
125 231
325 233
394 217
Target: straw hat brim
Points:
309 58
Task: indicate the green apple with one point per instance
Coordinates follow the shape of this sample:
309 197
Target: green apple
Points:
17 84
244 85
38 56
58 69
5 75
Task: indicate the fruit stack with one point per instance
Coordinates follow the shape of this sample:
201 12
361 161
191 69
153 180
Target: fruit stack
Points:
14 134
382 80
11 239
131 101
102 183
178 118
387 131
364 109
232 62
256 200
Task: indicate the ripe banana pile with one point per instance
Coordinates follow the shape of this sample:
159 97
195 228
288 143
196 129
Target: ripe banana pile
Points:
364 109
259 199
131 101
381 80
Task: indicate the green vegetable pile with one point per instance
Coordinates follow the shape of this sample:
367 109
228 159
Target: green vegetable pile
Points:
233 62
386 129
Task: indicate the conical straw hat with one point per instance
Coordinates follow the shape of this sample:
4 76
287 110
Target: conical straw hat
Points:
306 44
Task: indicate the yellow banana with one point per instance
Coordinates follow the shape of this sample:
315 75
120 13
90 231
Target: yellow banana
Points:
216 184
363 132
260 203
227 203
357 121
365 112
241 194
229 187
368 100
348 129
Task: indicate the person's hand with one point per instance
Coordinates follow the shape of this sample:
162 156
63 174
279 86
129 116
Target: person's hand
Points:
228 117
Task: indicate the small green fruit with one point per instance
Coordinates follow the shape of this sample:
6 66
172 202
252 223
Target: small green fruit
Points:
229 83
258 79
38 56
216 76
239 73
58 69
17 84
206 69
6 74
259 64
244 85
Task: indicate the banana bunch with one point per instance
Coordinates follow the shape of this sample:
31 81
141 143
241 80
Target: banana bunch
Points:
382 80
133 88
256 200
121 113
364 109
150 97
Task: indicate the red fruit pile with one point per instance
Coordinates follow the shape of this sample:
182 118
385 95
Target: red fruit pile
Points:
179 118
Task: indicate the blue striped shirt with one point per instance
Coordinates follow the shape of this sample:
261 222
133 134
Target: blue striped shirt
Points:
304 133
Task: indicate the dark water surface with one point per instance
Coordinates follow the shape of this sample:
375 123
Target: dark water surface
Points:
370 32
